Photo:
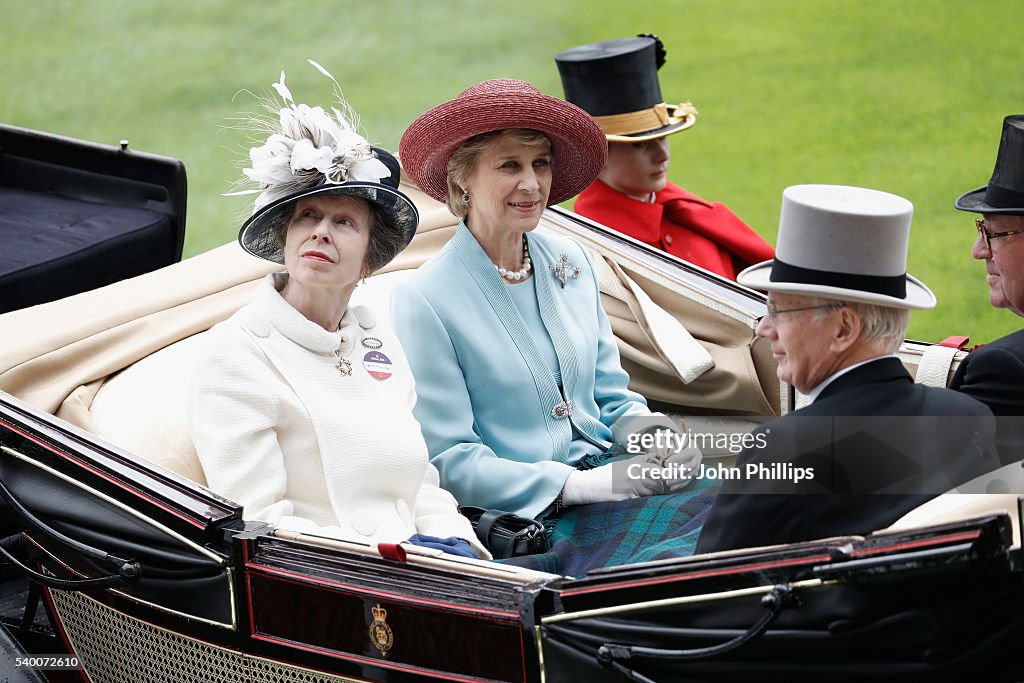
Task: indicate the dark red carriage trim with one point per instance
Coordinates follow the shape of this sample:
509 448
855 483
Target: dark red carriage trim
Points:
103 475
897 546
339 587
739 569
504 634
919 543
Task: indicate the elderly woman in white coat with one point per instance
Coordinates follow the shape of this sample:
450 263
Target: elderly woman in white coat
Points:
301 408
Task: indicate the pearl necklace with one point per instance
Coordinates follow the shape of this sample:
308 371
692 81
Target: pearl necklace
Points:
516 275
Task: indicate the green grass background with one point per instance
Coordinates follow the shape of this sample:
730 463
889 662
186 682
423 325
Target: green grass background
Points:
901 95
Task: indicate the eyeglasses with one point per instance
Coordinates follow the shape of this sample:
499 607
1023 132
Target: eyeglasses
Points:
774 313
987 236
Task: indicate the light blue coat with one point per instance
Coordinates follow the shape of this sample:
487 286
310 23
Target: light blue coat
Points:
485 394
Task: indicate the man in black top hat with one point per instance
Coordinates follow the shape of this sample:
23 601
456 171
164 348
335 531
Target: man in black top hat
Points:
994 374
616 82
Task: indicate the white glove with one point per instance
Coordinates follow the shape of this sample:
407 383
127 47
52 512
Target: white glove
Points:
592 486
663 469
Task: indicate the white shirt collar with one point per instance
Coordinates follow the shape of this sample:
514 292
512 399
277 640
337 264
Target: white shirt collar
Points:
813 394
648 198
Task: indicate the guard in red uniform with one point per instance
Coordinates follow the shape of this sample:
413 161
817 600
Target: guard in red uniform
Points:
616 81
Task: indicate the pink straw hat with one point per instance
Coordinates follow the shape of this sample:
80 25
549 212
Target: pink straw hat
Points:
578 144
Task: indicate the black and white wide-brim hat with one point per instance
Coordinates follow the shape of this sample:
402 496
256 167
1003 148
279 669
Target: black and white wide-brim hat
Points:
841 242
399 215
310 152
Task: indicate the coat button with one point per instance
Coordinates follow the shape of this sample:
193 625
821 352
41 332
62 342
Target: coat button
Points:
563 410
668 239
261 329
259 326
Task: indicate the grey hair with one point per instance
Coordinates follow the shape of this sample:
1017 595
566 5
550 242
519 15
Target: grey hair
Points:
884 327
463 160
385 239
280 226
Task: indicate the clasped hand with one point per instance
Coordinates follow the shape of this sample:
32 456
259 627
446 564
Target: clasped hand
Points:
665 467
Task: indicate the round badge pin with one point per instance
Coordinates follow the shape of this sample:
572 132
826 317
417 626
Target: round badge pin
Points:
372 342
377 364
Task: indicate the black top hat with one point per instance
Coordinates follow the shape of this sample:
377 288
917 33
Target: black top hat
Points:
616 82
1005 191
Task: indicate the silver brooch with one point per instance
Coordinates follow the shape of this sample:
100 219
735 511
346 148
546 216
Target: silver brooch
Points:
565 270
563 409
344 366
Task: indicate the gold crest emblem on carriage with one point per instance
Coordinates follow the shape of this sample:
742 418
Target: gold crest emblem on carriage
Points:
380 633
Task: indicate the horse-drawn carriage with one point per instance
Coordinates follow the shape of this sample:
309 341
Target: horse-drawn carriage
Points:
148 576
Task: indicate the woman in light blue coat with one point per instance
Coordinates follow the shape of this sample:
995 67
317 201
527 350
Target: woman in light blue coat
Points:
517 372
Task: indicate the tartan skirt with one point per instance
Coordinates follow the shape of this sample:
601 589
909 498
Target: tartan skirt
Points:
585 537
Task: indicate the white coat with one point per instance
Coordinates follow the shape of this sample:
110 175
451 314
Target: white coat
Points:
280 430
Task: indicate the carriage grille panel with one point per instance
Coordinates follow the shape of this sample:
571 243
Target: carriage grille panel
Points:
115 648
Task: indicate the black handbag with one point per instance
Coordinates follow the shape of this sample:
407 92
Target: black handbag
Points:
506 534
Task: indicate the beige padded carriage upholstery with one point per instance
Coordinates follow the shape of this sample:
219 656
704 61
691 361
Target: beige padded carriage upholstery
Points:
142 409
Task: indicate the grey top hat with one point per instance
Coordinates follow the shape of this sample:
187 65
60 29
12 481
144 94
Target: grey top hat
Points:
1005 191
842 242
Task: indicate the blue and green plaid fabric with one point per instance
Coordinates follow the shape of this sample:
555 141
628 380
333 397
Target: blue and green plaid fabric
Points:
586 537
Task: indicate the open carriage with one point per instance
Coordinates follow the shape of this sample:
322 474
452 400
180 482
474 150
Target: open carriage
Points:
148 576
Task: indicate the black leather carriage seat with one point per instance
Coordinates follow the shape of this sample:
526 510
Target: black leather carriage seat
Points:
76 215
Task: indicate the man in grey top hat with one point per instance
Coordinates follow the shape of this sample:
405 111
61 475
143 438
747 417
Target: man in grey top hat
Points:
838 306
994 374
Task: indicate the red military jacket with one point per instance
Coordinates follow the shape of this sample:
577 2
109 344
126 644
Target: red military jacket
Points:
704 233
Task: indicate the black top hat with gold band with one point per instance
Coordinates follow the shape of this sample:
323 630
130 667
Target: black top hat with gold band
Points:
616 82
1005 191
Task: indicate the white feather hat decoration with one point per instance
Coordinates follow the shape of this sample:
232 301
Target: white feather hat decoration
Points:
308 151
